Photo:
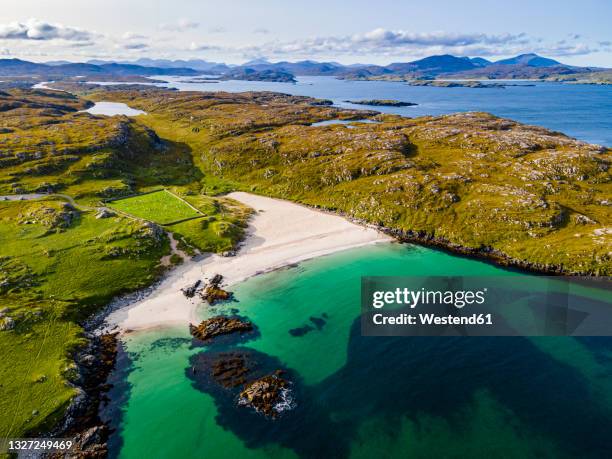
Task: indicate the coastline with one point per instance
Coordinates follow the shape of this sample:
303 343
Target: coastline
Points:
280 233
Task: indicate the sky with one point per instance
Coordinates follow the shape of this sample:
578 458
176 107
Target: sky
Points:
355 31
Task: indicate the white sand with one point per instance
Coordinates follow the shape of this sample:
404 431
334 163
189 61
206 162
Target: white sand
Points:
279 234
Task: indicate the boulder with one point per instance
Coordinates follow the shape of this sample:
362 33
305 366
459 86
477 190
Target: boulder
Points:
191 290
7 323
219 325
105 213
266 395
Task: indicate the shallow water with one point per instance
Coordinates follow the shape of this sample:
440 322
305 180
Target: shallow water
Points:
345 122
113 108
581 111
367 396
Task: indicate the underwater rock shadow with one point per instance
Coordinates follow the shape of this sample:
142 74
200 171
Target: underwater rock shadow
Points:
306 429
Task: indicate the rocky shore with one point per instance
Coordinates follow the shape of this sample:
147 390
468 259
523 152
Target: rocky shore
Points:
475 84
93 365
485 253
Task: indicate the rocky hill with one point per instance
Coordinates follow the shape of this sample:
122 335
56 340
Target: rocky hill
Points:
471 182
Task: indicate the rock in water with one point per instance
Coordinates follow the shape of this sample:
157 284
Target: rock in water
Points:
381 103
219 325
268 395
213 292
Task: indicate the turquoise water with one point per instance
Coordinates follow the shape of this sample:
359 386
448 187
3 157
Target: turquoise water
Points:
581 111
366 396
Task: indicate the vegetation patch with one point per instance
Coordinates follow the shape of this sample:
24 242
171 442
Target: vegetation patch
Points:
160 207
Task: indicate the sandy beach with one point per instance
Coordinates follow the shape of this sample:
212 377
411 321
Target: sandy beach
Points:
280 233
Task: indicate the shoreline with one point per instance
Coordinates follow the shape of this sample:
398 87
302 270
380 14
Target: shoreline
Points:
280 233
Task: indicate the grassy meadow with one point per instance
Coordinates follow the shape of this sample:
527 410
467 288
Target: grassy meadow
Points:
160 207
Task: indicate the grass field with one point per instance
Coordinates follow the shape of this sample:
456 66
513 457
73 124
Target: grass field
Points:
160 207
57 265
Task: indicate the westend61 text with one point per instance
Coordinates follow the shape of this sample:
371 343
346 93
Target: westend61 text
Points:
432 319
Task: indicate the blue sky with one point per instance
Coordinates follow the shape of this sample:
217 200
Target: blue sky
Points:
374 31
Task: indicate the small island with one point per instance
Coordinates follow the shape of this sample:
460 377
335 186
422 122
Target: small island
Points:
462 84
248 74
381 103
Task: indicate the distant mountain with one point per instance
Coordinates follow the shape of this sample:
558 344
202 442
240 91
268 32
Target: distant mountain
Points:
480 62
196 64
250 74
17 67
529 66
443 63
524 66
530 60
133 69
429 67
256 62
298 68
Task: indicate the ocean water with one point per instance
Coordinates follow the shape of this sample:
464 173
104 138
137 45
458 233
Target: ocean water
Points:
581 111
364 397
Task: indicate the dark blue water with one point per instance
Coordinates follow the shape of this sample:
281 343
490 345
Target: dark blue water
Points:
581 111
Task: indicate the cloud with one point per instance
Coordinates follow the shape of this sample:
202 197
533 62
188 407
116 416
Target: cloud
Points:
391 43
135 46
217 30
388 38
563 49
401 44
33 29
180 26
81 44
201 47
133 36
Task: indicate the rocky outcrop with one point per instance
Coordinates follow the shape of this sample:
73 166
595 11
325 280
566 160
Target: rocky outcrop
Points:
89 376
381 103
105 213
191 290
219 325
245 377
213 291
462 84
268 395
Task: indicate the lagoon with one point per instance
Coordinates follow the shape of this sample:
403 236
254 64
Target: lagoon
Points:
112 109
